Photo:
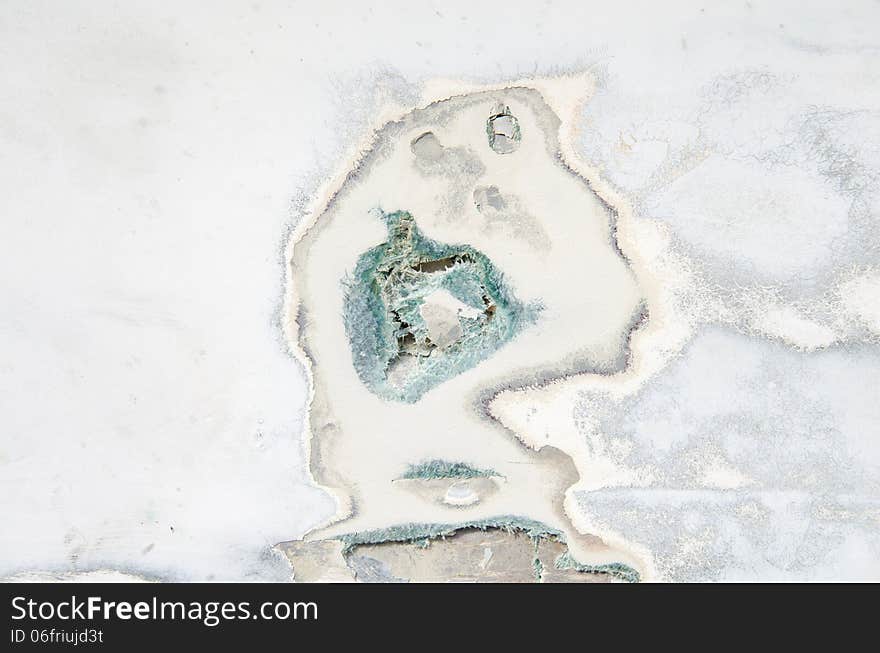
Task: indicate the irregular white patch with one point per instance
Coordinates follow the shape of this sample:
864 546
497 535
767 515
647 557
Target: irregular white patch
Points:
719 473
785 323
860 296
461 494
441 311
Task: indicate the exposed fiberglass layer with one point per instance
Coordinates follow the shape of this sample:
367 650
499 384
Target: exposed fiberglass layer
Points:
540 535
418 312
436 469
433 305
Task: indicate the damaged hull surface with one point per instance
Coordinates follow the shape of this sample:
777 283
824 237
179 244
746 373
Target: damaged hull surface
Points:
461 257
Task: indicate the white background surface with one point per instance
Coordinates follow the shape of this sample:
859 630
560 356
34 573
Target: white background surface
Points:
152 155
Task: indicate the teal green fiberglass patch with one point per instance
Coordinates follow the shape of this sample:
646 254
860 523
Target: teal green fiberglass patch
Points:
392 304
423 534
436 469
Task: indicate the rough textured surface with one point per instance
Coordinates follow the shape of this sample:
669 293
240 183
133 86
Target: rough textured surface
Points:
411 321
471 556
444 469
504 549
770 470
399 349
155 157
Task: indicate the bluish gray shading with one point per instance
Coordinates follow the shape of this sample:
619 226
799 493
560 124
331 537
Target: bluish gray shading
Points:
801 429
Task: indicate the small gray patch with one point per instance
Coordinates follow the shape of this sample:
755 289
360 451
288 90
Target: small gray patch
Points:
427 147
503 130
370 570
489 196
